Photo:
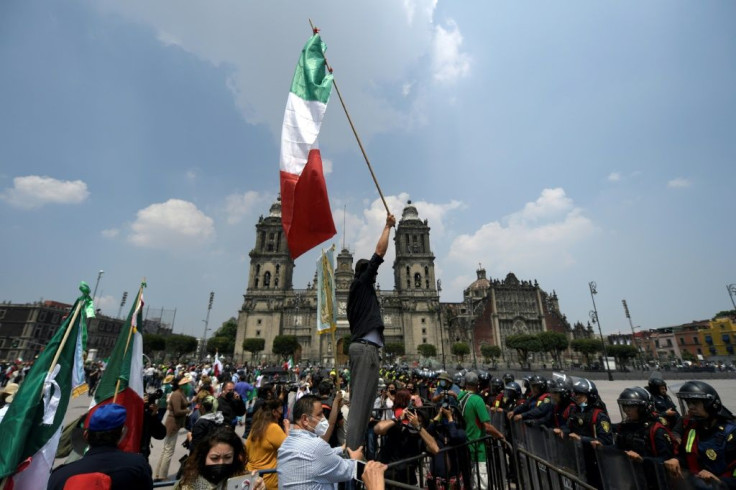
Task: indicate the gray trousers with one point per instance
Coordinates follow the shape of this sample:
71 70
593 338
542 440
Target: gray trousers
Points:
364 364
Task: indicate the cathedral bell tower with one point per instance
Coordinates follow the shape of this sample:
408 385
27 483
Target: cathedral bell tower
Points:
271 266
414 264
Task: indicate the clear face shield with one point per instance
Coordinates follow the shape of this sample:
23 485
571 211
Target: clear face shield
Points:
631 412
693 407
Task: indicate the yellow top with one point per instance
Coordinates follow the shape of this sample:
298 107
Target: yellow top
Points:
262 455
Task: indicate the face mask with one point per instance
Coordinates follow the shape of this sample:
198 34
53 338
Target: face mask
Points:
321 428
582 405
393 392
215 473
442 384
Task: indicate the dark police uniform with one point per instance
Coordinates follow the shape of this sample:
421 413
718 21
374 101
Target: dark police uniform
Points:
710 448
591 424
648 439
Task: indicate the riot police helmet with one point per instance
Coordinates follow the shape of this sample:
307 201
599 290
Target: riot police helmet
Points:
539 381
636 397
701 391
512 390
507 378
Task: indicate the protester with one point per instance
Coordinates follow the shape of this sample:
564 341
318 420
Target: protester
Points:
305 457
208 421
215 459
125 470
230 404
152 426
366 327
708 449
7 396
451 468
178 408
265 439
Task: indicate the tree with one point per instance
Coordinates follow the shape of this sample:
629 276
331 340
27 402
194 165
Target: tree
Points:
221 345
490 352
427 350
524 344
395 349
153 343
285 345
254 345
179 345
555 343
460 349
622 353
586 347
228 331
689 356
726 313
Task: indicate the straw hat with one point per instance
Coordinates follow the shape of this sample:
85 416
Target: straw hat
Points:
168 379
10 390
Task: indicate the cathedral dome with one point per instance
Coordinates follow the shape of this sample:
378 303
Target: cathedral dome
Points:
410 212
481 282
275 210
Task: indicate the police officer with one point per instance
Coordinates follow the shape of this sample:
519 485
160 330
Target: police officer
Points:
590 423
561 393
641 434
708 449
497 388
663 404
538 407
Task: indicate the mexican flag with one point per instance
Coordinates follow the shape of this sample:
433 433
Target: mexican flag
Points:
30 431
305 207
124 375
217 366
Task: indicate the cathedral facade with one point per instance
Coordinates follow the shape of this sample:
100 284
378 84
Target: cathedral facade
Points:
412 311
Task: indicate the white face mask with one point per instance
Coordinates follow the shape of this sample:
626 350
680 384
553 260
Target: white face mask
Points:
321 428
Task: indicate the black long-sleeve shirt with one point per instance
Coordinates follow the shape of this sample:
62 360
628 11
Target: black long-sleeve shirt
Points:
364 312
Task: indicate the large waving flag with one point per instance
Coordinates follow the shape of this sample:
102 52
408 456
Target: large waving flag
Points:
30 431
122 380
326 311
217 365
305 207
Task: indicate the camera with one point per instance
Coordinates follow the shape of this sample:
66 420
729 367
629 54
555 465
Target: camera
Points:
445 399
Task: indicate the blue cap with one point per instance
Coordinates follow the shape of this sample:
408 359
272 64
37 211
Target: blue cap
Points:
107 417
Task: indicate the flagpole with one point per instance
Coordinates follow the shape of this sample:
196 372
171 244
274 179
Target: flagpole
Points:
66 336
130 334
352 126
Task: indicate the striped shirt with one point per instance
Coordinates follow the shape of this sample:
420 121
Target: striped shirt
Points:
305 461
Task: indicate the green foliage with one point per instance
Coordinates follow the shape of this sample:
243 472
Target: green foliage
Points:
427 350
460 349
346 344
555 343
223 345
254 345
688 356
153 343
587 347
726 313
490 352
622 353
179 345
523 344
285 345
228 329
395 349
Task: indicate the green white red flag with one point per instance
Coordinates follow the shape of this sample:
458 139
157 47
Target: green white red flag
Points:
31 428
122 380
305 207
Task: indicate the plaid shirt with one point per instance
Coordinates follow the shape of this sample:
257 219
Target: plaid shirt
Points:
305 461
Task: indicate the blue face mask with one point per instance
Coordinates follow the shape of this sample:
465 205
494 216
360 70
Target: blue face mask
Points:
582 405
442 384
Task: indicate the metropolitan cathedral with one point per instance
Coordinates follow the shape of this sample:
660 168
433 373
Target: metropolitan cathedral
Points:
413 314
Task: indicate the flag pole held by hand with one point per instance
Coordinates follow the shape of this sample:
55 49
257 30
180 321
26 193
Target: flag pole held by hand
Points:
352 126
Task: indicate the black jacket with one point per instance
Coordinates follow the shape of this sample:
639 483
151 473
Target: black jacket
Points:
127 470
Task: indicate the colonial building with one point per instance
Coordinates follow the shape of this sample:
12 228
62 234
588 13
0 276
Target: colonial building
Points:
25 329
412 312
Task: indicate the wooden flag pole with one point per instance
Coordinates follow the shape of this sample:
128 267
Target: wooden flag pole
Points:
64 339
130 335
352 126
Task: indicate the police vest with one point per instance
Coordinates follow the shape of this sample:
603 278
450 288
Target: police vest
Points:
709 454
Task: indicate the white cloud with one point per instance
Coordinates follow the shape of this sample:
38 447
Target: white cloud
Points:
238 206
110 233
544 232
326 166
33 191
170 225
406 89
678 183
448 63
191 175
108 304
614 177
425 7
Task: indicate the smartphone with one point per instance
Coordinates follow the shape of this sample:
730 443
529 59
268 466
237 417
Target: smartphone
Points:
243 482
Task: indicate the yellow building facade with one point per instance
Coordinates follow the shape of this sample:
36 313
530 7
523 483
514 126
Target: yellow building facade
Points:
719 339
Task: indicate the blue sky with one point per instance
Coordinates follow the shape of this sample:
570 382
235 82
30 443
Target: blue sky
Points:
565 142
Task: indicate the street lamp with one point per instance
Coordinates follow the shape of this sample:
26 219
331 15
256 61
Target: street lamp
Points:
633 334
594 316
99 275
732 292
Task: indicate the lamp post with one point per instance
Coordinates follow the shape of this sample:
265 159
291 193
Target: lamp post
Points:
633 334
732 292
206 323
594 316
99 275
439 319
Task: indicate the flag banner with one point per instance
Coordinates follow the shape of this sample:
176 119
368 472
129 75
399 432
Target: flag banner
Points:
122 380
305 207
217 366
30 430
326 300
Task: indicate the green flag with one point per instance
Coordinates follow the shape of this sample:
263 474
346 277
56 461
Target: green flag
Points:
30 430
